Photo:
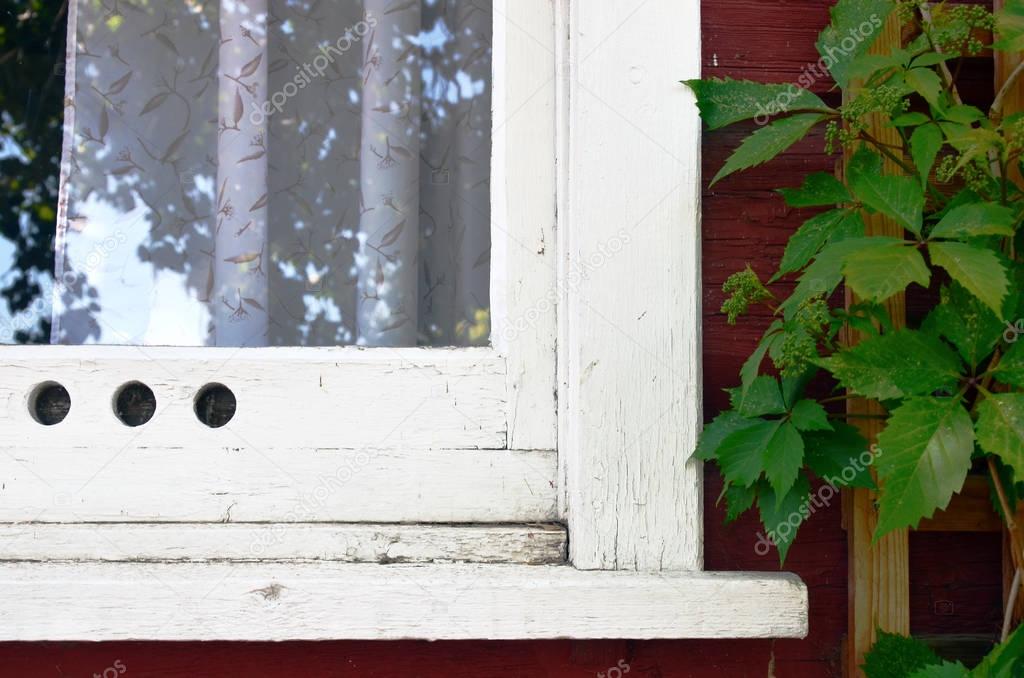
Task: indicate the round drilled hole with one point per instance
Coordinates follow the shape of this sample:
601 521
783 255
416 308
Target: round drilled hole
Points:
135 404
49 404
215 405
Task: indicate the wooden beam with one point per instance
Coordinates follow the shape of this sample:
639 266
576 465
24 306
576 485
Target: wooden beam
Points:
970 510
879 572
1004 64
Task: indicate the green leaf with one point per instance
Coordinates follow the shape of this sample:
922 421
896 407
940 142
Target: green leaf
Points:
926 82
910 120
716 431
784 458
925 144
924 455
725 102
825 273
1010 26
885 268
967 323
899 197
768 142
1006 660
930 59
977 269
846 38
793 387
867 66
1000 428
762 397
971 221
965 115
943 670
783 516
897 365
1010 369
752 365
896 656
841 457
809 415
741 454
738 500
819 190
831 226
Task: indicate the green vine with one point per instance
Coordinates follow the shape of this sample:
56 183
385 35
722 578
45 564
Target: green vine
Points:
952 385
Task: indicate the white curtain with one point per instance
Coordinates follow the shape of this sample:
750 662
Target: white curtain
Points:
276 172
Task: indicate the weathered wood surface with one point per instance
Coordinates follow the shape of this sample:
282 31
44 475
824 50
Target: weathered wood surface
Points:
249 483
263 542
630 238
261 601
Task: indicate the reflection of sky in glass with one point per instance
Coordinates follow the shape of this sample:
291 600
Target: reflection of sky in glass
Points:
143 212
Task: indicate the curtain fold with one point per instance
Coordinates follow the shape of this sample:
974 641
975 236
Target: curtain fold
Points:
276 172
241 236
390 177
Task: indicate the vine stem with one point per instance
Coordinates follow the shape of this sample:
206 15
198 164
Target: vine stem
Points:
1010 600
1011 81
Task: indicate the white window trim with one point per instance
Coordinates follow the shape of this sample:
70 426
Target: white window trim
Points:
480 449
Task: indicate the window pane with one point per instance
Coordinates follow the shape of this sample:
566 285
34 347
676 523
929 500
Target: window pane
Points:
31 92
275 172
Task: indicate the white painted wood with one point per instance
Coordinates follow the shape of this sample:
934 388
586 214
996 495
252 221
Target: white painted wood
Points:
630 243
523 187
267 542
267 602
422 436
287 398
250 483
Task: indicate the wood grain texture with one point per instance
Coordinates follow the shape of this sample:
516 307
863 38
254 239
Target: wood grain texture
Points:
324 601
249 483
263 542
630 241
879 570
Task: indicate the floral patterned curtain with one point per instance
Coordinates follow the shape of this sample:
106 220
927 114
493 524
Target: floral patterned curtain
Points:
276 172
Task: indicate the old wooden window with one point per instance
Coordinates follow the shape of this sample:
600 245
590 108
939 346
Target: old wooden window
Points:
535 486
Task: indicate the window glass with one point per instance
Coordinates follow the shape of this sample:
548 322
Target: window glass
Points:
267 172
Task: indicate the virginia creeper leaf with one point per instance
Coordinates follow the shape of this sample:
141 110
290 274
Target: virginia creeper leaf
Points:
896 365
725 102
819 190
969 221
899 197
976 268
768 142
925 453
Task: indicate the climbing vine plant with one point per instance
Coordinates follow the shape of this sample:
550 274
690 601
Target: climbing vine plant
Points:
951 386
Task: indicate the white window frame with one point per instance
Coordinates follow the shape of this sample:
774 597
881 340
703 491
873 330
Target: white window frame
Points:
596 201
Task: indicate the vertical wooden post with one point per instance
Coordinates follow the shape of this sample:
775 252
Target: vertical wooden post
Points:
878 574
1004 65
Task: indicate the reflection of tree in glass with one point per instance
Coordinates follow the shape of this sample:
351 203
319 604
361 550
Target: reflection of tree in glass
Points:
32 35
145 172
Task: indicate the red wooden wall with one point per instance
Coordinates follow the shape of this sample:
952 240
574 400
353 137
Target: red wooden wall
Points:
744 222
